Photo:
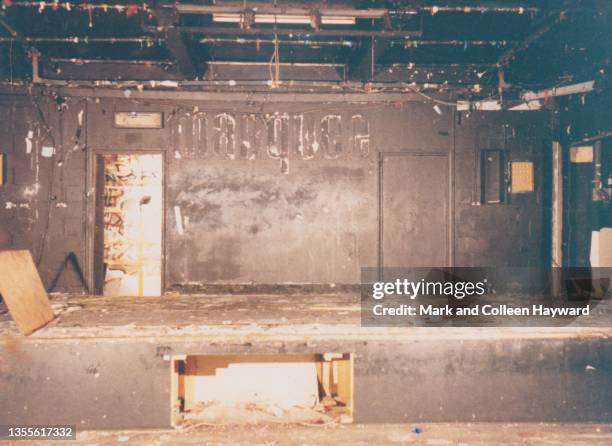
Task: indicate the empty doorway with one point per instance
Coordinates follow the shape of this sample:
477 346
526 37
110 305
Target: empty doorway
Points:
129 222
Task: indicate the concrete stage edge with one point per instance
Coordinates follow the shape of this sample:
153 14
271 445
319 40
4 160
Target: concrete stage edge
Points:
103 364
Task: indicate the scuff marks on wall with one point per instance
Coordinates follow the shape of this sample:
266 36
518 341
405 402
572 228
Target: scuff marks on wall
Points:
245 224
178 219
212 196
28 141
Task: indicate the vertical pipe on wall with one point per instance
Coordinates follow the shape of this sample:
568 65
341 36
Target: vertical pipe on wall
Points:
557 217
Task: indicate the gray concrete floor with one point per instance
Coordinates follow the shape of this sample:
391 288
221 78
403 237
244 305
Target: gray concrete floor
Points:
456 434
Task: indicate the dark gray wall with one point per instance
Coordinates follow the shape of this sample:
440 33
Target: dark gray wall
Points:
581 117
264 211
100 384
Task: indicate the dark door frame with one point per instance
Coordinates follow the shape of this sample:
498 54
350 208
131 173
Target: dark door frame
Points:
92 202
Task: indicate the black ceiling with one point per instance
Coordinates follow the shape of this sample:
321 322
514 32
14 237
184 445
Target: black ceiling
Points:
535 43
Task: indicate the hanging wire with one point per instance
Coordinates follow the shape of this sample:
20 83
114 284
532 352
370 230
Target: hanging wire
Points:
274 66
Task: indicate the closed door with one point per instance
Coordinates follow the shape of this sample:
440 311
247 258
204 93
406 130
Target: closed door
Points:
414 210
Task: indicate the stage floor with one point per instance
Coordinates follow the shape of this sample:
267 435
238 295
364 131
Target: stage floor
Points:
294 316
473 434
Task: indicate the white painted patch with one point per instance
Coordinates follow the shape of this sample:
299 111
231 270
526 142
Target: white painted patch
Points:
31 191
10 205
28 141
80 118
172 84
177 155
47 151
179 220
61 204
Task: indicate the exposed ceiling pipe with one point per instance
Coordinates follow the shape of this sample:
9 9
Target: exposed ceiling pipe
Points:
580 88
331 12
83 61
309 42
298 42
83 39
230 31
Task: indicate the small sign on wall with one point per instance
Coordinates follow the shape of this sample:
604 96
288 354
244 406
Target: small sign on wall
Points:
522 177
139 120
581 154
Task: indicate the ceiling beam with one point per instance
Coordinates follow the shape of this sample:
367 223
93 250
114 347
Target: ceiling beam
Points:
175 42
464 6
541 28
363 64
250 96
4 24
21 48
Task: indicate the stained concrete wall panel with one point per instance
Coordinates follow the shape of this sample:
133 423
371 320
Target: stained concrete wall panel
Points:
413 126
520 237
244 220
483 381
95 385
101 384
249 222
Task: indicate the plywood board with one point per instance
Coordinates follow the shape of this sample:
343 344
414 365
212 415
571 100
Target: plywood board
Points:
23 291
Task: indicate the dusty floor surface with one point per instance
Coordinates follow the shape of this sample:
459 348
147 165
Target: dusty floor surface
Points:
272 316
478 434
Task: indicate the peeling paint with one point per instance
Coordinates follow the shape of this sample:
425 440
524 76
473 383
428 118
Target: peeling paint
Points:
31 191
28 141
47 151
179 220
331 136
